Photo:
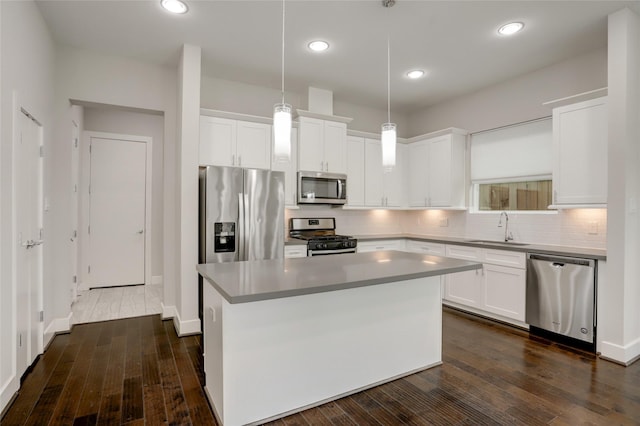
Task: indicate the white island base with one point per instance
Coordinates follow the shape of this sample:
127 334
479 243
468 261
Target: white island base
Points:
270 358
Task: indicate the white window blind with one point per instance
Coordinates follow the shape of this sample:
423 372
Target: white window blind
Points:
513 152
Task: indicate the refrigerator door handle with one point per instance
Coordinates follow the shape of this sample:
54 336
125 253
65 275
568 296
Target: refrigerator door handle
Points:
246 211
240 233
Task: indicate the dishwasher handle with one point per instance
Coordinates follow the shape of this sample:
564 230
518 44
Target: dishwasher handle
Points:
560 261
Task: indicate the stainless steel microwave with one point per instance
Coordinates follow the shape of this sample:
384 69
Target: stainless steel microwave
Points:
322 188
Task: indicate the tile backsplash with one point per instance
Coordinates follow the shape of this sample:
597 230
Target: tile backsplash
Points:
574 228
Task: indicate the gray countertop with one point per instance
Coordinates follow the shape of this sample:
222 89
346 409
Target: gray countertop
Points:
241 282
591 253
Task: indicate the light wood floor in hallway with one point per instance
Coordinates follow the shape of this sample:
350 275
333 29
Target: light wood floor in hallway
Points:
137 371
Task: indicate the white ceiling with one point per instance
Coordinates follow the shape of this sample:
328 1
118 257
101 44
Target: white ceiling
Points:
456 42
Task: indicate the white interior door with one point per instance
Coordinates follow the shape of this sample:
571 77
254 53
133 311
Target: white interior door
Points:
117 212
29 253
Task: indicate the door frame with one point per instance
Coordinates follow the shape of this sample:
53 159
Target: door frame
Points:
85 178
18 109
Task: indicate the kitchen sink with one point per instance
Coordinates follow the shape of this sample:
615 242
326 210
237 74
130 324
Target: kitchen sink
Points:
497 243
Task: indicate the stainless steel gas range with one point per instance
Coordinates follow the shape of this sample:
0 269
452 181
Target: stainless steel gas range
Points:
320 235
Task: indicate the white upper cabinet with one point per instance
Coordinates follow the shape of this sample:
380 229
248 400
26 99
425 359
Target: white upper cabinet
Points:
580 153
290 170
355 171
437 171
382 189
322 145
227 142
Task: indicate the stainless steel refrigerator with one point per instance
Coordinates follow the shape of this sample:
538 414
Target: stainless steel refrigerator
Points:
241 214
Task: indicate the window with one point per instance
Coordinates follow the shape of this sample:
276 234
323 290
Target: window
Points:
529 195
511 167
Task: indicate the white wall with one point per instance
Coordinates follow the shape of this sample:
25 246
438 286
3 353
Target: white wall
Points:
113 120
27 68
353 222
87 77
516 100
186 319
225 95
570 228
620 316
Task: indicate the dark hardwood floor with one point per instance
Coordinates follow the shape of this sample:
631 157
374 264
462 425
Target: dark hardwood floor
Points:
137 371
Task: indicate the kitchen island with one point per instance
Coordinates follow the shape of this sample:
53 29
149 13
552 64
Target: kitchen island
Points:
284 335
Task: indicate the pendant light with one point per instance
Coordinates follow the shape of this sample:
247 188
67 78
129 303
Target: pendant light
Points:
282 118
388 135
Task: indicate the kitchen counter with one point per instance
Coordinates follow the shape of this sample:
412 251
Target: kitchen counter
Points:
241 282
284 335
591 253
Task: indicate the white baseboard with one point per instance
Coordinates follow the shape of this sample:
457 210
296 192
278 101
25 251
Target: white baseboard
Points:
8 391
156 279
168 311
57 325
622 354
183 328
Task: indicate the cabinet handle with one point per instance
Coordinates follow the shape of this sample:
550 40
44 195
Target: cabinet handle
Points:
233 160
239 160
326 165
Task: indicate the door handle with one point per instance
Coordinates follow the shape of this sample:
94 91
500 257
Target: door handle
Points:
141 231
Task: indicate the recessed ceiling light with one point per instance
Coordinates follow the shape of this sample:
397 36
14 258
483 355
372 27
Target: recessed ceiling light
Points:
511 28
413 74
174 6
318 45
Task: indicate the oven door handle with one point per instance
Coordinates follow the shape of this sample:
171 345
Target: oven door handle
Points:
340 251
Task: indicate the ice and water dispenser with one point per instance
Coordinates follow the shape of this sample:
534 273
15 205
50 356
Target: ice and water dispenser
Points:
224 237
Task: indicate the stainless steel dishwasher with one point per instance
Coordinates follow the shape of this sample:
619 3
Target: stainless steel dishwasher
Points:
561 296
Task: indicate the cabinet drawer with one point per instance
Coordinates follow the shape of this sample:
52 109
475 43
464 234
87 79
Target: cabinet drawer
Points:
465 253
426 247
380 245
295 251
505 258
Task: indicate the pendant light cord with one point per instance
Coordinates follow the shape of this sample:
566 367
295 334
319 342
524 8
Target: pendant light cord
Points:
283 51
388 80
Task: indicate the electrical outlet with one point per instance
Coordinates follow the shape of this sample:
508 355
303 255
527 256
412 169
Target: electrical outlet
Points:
444 222
593 227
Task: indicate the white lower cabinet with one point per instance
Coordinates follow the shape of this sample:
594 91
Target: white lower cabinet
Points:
298 250
497 290
380 245
504 291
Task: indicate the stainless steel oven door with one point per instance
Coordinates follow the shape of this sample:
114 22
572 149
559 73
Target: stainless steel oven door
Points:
328 252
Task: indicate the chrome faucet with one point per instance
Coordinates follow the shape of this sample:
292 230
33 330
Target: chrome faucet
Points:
508 236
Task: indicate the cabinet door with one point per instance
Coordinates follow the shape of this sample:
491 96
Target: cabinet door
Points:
418 157
465 287
311 144
580 153
439 170
217 141
393 181
253 145
373 181
355 171
504 291
335 147
290 170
